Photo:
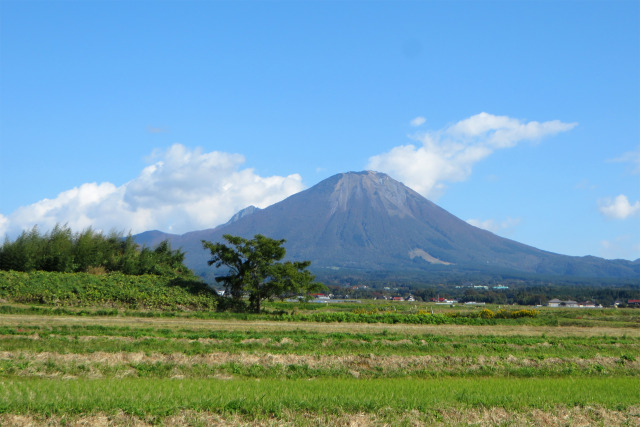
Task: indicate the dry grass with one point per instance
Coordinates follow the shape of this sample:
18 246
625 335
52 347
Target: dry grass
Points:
63 366
356 365
561 416
267 326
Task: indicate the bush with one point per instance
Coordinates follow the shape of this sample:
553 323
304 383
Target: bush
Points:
487 314
517 314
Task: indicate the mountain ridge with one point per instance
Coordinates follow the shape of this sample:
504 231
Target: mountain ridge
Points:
370 222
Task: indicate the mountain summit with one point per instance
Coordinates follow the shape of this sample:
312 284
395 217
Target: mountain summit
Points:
368 221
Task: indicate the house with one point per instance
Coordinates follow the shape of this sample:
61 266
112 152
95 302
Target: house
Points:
634 302
588 304
397 299
557 303
443 301
410 298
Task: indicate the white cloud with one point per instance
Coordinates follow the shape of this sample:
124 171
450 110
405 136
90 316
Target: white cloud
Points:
502 227
619 208
448 155
157 129
632 157
183 190
418 121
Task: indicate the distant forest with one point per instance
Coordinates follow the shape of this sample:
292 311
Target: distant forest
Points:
64 251
518 294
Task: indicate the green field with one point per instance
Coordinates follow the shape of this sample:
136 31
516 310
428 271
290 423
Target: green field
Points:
118 350
275 398
126 370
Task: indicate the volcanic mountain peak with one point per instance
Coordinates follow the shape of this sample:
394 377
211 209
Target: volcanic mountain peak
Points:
370 187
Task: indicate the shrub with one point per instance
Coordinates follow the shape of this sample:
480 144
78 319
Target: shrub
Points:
487 314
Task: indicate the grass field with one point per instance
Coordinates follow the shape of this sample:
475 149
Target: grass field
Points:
117 369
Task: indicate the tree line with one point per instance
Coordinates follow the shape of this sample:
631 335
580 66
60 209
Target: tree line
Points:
62 250
251 270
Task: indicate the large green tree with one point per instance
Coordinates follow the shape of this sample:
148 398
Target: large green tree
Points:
254 268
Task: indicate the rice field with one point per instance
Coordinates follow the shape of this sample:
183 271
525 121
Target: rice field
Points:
140 370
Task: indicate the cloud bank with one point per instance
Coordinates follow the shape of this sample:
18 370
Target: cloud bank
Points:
184 190
619 207
448 155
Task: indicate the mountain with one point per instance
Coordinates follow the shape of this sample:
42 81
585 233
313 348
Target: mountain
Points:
368 222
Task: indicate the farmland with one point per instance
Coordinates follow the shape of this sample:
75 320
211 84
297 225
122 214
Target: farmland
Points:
128 369
80 349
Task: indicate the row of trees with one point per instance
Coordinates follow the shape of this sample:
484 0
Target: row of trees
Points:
62 250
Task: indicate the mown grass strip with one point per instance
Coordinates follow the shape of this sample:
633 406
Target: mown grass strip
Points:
161 397
87 340
252 365
598 342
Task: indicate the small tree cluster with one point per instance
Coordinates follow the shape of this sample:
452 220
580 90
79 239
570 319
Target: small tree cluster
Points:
61 250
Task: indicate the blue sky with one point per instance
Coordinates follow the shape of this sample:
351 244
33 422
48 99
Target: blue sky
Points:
519 117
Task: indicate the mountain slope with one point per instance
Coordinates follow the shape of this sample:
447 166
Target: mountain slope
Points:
368 221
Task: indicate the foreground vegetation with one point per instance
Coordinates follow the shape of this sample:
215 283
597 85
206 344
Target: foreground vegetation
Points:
87 349
116 294
277 399
192 371
114 290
